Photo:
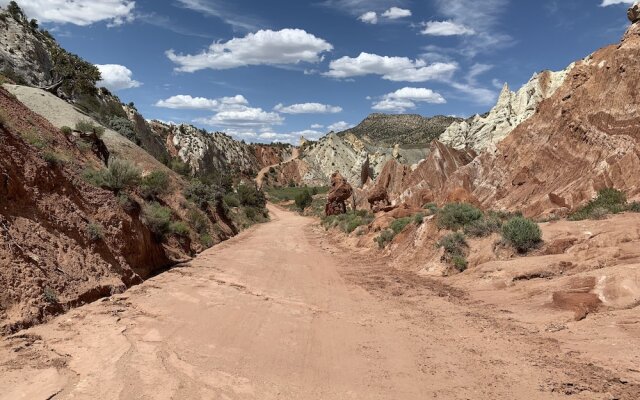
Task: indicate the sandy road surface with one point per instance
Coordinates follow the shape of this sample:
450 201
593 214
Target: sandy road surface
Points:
279 313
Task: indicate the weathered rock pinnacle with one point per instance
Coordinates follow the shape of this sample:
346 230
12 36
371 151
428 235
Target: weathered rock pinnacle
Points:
634 12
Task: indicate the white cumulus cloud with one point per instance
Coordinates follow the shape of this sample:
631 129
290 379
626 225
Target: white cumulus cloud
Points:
399 69
446 28
606 3
396 13
339 126
246 117
187 102
308 108
116 77
78 12
265 47
406 98
369 17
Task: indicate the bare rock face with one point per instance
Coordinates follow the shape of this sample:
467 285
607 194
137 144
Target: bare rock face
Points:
339 193
513 108
634 13
582 139
24 51
208 153
423 182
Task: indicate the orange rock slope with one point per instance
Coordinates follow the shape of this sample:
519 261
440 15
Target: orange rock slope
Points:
63 242
582 139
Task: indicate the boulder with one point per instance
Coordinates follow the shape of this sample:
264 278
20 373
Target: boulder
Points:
378 198
340 191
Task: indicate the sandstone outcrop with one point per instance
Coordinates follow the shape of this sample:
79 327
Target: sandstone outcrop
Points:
214 153
582 139
339 193
24 52
423 182
634 13
484 132
62 241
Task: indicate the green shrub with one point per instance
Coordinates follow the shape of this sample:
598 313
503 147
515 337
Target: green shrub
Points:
455 248
598 213
157 218
198 221
611 200
348 222
454 244
154 185
634 207
418 219
521 233
66 130
50 296
231 200
34 138
94 177
385 238
179 228
124 127
250 213
95 232
206 240
460 263
483 227
431 207
250 196
52 158
121 175
455 216
126 202
398 225
303 200
87 127
202 194
180 167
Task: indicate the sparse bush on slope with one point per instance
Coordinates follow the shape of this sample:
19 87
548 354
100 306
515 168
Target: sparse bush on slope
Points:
455 247
154 185
522 233
303 200
121 175
455 216
608 201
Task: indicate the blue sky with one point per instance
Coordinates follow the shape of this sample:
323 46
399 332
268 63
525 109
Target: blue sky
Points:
272 70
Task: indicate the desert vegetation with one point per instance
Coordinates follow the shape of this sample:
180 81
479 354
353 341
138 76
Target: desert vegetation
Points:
608 201
348 222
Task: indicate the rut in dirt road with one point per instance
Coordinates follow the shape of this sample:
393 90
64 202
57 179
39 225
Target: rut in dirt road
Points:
268 315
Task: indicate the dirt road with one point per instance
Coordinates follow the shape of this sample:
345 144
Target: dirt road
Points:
278 313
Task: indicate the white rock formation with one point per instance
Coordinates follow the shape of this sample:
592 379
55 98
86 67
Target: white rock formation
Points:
347 154
24 51
512 109
208 152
